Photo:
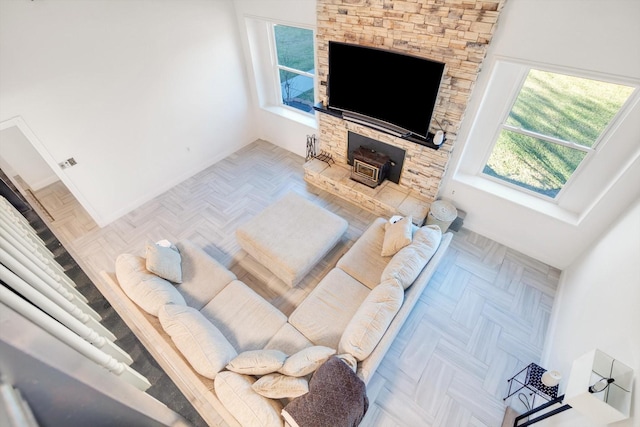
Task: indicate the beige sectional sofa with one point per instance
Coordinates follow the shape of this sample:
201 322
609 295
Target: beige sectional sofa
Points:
197 327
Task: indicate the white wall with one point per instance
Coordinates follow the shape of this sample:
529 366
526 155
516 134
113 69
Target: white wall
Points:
598 306
590 35
18 157
142 93
274 126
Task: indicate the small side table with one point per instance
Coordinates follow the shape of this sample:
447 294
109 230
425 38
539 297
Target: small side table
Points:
531 378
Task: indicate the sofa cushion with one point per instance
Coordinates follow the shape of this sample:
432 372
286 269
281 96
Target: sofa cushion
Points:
372 319
325 313
278 386
306 361
257 362
201 343
148 291
246 319
406 265
164 261
288 339
248 407
396 236
363 261
203 277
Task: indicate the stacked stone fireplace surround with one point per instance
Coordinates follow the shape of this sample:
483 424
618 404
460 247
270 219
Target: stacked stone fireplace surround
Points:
455 32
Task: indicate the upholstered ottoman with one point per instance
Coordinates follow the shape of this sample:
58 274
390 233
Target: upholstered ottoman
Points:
291 236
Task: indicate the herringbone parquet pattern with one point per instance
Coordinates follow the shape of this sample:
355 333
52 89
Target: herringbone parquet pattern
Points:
482 318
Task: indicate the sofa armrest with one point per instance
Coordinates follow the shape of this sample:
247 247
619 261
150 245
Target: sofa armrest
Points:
367 367
196 388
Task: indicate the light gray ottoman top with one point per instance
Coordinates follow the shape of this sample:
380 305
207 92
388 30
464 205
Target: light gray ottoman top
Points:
290 236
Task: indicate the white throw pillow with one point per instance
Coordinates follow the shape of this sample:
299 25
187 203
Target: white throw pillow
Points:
278 386
199 341
164 262
406 265
306 361
372 319
397 236
257 362
147 290
349 360
247 406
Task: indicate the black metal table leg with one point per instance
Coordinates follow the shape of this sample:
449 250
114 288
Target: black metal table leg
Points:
543 416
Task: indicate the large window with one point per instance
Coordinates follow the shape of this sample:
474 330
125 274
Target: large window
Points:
555 122
295 66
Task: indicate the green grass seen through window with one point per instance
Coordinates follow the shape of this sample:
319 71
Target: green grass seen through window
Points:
295 47
564 107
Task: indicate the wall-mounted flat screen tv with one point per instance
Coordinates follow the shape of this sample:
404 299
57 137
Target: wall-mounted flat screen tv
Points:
389 87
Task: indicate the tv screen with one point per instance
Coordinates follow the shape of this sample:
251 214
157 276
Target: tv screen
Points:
394 88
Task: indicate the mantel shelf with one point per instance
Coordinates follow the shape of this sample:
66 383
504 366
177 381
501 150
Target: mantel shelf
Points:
427 142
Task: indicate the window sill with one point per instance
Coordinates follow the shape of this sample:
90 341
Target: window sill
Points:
519 198
287 113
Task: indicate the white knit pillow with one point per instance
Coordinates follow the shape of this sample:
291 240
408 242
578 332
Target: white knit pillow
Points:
248 407
406 265
147 290
164 261
397 236
306 361
257 362
372 319
278 386
199 341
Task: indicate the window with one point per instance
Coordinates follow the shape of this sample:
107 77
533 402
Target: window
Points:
555 122
295 66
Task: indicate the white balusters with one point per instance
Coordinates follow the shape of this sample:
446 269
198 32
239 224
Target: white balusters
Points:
38 288
69 337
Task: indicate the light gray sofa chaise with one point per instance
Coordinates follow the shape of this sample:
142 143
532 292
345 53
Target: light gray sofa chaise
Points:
358 308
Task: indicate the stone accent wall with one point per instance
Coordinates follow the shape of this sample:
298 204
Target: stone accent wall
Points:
456 32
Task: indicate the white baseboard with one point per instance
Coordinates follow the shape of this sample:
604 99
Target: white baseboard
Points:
106 220
44 183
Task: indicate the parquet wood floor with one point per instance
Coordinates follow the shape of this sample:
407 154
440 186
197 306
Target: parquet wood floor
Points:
482 318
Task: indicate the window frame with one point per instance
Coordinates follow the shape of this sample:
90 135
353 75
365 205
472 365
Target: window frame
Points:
276 67
591 152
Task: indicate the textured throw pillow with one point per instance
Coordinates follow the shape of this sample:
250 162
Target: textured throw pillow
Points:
147 290
164 262
247 406
406 265
336 398
278 386
349 360
372 319
199 341
397 236
306 361
257 362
